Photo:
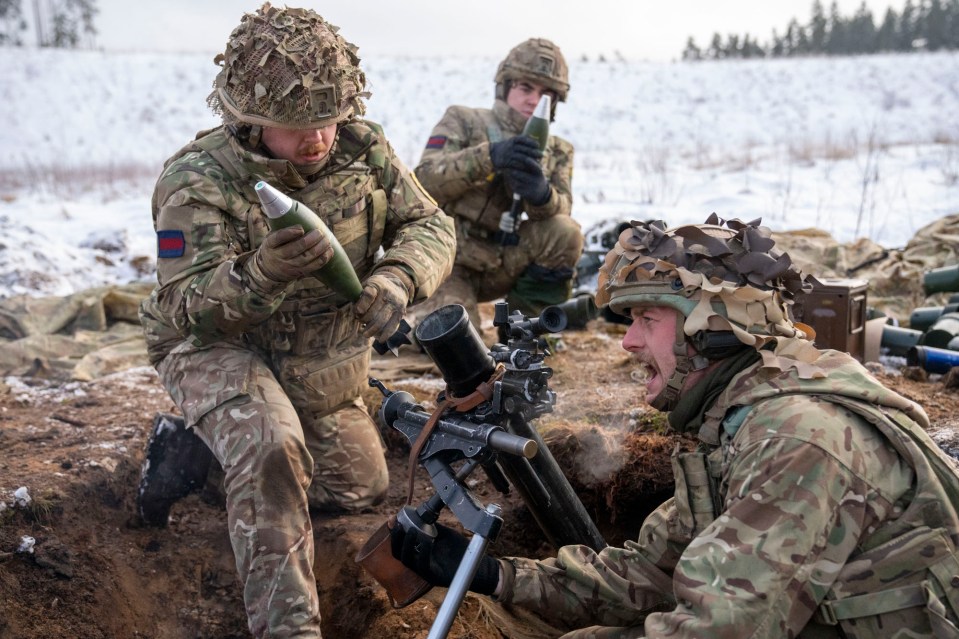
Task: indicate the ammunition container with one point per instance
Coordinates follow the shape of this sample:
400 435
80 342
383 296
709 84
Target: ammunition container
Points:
836 310
941 280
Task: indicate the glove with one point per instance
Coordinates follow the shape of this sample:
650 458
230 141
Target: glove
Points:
515 152
436 559
530 184
381 304
289 254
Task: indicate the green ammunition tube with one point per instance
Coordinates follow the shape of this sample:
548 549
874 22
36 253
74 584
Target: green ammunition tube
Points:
941 280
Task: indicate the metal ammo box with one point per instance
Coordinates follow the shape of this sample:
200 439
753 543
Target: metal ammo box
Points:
836 309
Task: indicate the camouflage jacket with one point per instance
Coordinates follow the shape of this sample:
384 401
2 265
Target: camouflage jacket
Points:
209 224
811 502
456 167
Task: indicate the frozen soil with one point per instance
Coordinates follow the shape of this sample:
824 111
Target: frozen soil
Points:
95 571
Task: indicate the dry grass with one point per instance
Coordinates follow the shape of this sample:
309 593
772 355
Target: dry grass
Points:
70 180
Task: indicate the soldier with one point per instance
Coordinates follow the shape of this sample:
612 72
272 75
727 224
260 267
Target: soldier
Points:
815 506
265 362
476 159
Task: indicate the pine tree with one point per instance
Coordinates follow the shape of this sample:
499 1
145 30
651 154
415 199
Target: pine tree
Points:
838 41
716 51
886 35
861 33
818 28
692 52
935 26
907 27
65 23
777 49
12 23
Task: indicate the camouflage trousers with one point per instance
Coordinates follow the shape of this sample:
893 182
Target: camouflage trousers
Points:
279 459
485 271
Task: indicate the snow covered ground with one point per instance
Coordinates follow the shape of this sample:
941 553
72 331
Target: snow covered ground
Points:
859 147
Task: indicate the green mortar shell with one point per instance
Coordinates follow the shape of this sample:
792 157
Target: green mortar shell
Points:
944 330
941 280
338 273
899 340
925 316
537 127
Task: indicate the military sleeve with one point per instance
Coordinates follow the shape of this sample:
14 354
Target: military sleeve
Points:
209 289
419 237
800 499
615 587
559 174
451 165
794 512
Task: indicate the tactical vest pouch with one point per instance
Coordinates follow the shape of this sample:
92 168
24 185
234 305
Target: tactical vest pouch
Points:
695 490
320 333
378 209
909 585
402 584
320 385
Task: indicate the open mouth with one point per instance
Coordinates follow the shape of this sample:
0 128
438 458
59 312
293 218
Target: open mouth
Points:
644 373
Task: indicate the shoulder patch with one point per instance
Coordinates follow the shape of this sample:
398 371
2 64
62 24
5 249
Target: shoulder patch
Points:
170 244
436 142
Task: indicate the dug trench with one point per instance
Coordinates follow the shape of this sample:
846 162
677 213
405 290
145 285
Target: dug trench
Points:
95 571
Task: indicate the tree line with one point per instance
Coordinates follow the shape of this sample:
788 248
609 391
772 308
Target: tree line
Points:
927 25
66 24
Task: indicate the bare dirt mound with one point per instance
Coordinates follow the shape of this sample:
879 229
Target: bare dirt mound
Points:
95 572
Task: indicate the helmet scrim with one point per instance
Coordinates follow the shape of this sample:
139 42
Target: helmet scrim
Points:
535 60
287 68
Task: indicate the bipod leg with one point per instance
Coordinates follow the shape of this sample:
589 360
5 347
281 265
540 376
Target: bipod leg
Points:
461 581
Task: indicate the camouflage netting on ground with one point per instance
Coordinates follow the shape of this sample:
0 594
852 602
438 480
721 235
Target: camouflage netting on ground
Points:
80 337
894 275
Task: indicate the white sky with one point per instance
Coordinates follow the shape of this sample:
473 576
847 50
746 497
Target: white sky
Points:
638 29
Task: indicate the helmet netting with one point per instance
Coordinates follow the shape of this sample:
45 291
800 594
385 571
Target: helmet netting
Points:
287 68
722 276
536 60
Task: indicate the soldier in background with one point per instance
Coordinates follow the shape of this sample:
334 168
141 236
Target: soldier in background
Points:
476 159
815 505
266 363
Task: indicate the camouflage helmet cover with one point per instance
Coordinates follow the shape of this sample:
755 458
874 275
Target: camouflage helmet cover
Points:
536 60
721 276
287 68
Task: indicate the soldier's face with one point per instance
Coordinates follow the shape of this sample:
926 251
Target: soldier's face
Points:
523 96
650 339
299 146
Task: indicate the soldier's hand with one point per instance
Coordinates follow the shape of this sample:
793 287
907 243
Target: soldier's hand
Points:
289 254
436 559
381 304
518 152
530 184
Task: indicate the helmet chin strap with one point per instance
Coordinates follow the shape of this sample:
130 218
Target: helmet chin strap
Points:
667 399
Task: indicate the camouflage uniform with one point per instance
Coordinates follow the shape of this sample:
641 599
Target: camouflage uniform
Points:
457 170
269 374
816 505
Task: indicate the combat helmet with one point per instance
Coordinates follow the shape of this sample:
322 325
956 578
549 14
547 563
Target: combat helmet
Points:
536 60
287 68
727 279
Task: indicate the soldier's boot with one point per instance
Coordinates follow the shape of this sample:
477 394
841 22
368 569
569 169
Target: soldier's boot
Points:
176 464
539 287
